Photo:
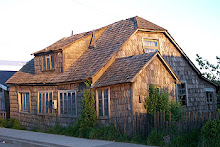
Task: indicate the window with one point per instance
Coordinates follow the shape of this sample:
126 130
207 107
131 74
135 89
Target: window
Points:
2 100
103 102
182 93
24 101
45 102
67 102
209 95
150 45
48 62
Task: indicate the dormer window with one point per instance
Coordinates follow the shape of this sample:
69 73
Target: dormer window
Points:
48 62
150 45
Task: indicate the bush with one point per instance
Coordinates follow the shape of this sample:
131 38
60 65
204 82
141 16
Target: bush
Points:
175 109
3 122
139 139
156 138
11 123
88 118
190 139
210 133
105 133
157 101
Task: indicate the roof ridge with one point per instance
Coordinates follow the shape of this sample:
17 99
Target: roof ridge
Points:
146 24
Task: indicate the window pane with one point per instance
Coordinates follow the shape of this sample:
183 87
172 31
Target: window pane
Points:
27 102
47 105
150 50
43 101
73 104
65 103
61 103
52 61
100 103
21 95
69 103
50 104
150 43
40 103
24 101
44 63
48 62
106 102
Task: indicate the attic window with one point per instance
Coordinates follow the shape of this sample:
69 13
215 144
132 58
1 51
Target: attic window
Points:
48 62
150 45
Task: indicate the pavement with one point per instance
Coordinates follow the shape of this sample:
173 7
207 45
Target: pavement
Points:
15 138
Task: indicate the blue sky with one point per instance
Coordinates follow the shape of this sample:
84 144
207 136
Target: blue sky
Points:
27 26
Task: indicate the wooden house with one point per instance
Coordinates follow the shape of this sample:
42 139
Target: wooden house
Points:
4 94
121 60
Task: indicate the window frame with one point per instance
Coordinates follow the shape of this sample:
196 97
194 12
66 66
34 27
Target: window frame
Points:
59 105
209 90
2 100
44 62
186 93
103 108
20 100
150 47
38 103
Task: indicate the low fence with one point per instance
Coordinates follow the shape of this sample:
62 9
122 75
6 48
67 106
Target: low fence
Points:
144 123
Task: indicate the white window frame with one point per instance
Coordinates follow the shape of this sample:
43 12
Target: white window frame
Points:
150 47
38 103
177 93
59 105
212 91
19 101
103 108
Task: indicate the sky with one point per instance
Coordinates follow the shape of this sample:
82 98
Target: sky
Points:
27 26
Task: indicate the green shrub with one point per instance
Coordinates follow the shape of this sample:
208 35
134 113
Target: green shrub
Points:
157 101
106 133
11 123
88 118
156 138
210 134
175 109
139 139
3 122
190 139
57 129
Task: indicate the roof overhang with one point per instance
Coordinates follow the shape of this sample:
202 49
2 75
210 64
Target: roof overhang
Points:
166 65
3 87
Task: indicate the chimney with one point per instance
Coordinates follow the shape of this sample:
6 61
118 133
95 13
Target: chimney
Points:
72 33
92 41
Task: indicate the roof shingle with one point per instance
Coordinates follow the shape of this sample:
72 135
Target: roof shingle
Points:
124 69
91 61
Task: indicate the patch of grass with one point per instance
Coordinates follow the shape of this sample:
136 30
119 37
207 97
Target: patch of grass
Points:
210 134
156 138
190 139
104 133
11 123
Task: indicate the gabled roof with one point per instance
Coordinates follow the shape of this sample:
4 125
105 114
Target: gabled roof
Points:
5 75
62 43
124 70
92 60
